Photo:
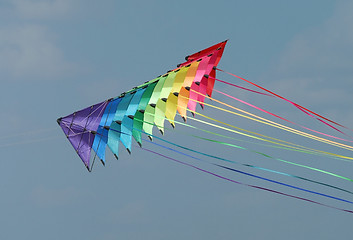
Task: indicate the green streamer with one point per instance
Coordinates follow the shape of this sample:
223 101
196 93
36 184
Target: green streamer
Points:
263 154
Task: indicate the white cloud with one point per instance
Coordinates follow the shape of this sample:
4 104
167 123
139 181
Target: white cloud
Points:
28 48
30 51
316 68
42 9
324 49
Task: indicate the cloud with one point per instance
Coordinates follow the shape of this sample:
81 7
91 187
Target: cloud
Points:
42 9
324 49
28 48
30 51
316 67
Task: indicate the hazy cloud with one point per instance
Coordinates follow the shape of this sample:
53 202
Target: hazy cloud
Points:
324 49
316 67
42 9
30 51
28 48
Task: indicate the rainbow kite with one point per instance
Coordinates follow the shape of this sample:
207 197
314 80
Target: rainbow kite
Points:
126 116
179 91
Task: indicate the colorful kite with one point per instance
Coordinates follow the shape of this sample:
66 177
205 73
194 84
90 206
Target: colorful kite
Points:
126 116
134 113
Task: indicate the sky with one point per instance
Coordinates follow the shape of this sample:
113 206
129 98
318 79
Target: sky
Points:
58 56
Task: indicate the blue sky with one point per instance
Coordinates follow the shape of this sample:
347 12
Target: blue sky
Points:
60 56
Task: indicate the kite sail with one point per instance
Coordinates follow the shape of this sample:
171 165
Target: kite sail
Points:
125 119
126 116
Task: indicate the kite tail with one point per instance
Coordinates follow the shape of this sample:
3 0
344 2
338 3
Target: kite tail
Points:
284 119
244 184
247 89
295 104
242 164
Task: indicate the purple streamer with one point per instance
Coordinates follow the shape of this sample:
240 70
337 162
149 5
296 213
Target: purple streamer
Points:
244 184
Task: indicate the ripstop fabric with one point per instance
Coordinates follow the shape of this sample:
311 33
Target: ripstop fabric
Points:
125 117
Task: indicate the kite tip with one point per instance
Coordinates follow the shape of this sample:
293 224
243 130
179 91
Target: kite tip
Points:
184 118
58 120
103 162
161 131
117 158
139 143
150 138
173 126
129 151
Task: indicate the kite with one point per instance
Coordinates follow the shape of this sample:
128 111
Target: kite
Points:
125 119
121 118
